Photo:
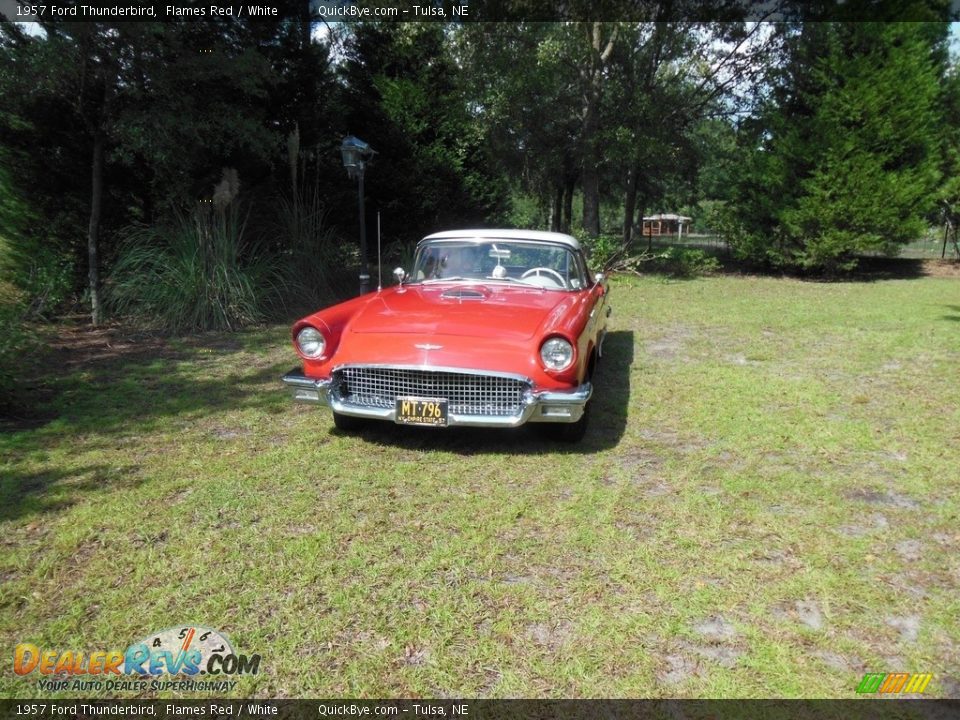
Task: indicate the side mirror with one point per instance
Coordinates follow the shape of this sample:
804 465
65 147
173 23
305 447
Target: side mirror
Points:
600 281
400 275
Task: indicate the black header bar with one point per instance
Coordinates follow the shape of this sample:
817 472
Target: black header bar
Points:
460 11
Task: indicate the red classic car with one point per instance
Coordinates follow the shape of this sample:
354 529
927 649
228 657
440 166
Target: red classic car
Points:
492 328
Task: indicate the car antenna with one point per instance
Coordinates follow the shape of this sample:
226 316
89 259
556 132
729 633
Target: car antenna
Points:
379 274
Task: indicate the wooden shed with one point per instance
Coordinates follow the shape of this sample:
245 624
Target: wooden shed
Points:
666 224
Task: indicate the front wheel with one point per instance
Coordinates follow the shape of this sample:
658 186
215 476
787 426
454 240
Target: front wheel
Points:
347 423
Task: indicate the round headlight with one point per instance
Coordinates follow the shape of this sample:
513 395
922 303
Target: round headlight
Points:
556 353
310 342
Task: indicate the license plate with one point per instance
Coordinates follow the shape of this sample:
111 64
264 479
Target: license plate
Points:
422 411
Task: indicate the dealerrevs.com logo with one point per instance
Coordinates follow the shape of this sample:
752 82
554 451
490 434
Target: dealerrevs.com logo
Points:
184 652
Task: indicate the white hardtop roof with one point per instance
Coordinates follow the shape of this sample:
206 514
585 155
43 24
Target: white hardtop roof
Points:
535 235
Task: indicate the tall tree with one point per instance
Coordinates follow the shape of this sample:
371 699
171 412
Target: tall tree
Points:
528 112
667 79
600 40
949 205
844 157
405 96
82 63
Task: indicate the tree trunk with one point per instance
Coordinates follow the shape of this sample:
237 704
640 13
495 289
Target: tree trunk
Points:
592 77
556 209
569 186
591 196
590 177
629 205
93 233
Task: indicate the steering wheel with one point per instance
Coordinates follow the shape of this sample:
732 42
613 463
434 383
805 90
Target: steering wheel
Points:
537 270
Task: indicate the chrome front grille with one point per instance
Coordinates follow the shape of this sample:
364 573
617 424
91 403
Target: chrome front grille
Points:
467 394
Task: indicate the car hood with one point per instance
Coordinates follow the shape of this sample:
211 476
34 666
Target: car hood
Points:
461 309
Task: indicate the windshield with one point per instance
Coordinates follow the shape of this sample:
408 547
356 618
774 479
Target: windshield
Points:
538 264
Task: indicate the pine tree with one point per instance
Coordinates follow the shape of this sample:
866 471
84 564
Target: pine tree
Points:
845 157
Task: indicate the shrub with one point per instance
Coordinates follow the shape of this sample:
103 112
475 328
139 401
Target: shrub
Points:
197 273
35 267
46 278
525 211
604 251
35 280
685 262
16 342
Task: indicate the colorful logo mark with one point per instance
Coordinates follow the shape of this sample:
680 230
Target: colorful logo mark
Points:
191 650
891 683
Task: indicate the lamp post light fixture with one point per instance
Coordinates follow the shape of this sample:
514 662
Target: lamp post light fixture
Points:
355 153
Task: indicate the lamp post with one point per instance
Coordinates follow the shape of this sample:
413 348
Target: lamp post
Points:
355 153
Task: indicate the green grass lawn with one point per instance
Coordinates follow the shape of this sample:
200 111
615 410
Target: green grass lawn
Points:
766 505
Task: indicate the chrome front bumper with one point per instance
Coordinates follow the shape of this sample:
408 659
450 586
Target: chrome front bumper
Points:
563 406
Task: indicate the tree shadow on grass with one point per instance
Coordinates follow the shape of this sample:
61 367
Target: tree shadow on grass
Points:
608 422
114 390
868 269
954 309
142 394
124 387
32 493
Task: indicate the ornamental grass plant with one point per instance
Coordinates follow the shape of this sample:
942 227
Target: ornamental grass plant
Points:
198 272
314 262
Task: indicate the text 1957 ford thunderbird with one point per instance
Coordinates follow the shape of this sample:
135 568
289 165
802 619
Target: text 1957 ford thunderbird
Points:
493 328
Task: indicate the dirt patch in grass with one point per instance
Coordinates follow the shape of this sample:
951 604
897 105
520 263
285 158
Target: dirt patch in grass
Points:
882 268
807 613
872 523
949 686
715 627
178 496
780 558
413 655
875 497
723 655
691 659
677 668
639 461
909 550
645 469
225 433
670 345
908 626
673 440
551 636
842 663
